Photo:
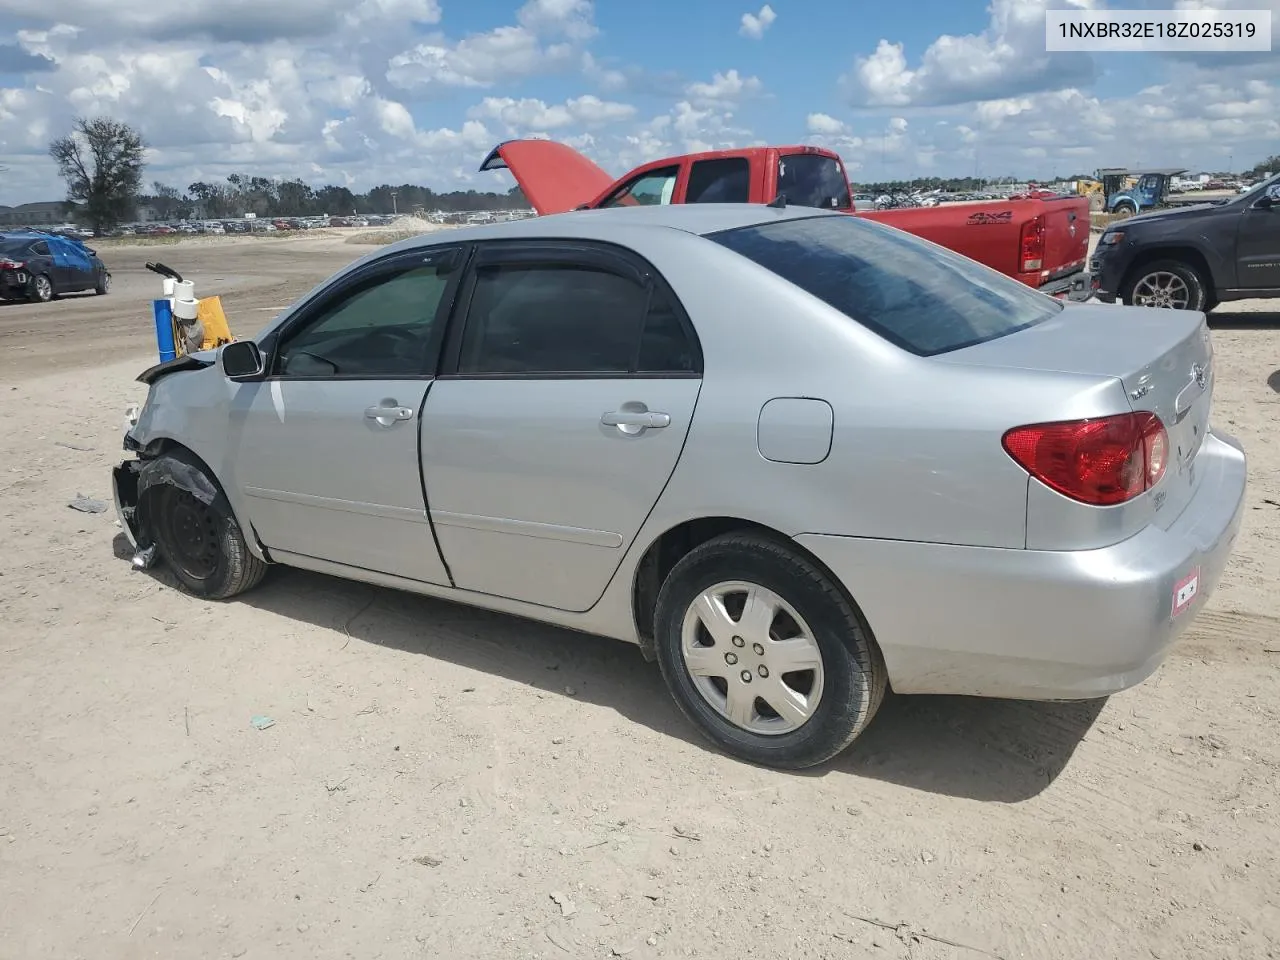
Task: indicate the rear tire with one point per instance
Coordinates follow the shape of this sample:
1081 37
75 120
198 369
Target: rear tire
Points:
201 542
103 285
42 288
1170 284
782 632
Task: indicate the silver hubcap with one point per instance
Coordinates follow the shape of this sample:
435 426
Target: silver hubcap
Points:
752 657
44 289
1161 289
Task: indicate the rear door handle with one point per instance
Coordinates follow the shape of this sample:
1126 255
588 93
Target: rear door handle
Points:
388 412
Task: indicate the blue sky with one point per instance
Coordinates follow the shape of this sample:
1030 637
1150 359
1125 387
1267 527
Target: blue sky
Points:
368 91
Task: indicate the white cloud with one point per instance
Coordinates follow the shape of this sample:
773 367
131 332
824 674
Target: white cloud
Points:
724 88
351 92
824 125
755 24
1007 57
521 117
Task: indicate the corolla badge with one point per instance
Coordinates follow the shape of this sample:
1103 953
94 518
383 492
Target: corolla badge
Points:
1201 376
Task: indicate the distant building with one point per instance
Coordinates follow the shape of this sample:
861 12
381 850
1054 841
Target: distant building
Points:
40 214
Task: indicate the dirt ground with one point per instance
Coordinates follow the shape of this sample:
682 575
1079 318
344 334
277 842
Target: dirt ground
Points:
444 782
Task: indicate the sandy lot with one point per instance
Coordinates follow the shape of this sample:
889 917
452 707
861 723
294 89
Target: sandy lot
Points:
443 782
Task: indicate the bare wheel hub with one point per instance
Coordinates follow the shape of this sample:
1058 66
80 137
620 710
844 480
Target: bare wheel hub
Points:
752 657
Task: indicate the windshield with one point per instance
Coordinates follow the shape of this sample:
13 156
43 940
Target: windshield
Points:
917 295
813 180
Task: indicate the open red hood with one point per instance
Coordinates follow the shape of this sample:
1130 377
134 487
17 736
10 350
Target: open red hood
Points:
554 177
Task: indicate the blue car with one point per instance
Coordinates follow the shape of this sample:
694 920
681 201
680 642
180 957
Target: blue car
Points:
40 266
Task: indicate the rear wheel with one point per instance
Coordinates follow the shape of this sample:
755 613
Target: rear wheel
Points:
201 542
1168 284
763 652
41 288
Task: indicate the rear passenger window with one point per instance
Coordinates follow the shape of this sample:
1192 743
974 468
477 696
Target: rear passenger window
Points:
551 319
665 346
573 319
720 181
40 248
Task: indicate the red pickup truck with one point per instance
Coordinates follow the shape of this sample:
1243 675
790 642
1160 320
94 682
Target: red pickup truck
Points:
1042 241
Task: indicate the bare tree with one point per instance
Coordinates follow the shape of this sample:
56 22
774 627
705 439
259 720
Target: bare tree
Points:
101 161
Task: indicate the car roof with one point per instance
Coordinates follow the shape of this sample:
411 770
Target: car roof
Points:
615 223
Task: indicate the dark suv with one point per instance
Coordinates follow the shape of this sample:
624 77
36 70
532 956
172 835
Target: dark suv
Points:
40 266
1193 258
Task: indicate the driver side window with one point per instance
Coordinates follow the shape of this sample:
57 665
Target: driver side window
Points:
378 329
648 189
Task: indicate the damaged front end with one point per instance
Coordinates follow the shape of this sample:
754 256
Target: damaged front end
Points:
132 481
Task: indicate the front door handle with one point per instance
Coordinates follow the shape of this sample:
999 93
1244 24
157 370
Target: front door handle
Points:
388 412
632 422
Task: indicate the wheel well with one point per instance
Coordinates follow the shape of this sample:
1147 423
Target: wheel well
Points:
1192 257
670 548
164 446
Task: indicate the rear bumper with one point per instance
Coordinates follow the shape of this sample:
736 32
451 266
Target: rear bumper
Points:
14 283
1078 287
1043 625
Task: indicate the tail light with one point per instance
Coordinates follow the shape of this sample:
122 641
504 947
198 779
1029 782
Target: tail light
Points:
7 264
1101 461
1033 245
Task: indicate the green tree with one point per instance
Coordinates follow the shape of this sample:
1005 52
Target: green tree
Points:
1269 165
101 161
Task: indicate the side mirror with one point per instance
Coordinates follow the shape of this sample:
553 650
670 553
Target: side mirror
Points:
1271 198
242 361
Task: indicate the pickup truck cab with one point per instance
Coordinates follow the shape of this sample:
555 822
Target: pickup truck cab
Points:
1193 258
1043 242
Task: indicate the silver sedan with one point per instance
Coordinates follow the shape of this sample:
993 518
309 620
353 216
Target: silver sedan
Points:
798 457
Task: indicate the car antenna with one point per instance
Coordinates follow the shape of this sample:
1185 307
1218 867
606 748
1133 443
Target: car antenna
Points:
779 202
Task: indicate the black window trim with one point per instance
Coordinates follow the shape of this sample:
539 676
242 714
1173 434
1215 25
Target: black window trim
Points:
316 306
592 254
656 171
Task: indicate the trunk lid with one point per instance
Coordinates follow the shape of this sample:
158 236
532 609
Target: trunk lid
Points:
1066 235
554 177
1163 358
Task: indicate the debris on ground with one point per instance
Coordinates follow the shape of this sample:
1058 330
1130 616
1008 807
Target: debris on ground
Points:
567 907
262 723
427 860
88 504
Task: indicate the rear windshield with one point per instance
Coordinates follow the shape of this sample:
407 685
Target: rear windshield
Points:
9 248
812 180
922 297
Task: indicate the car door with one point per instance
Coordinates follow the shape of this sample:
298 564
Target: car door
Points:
81 274
1258 243
557 419
325 448
46 261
